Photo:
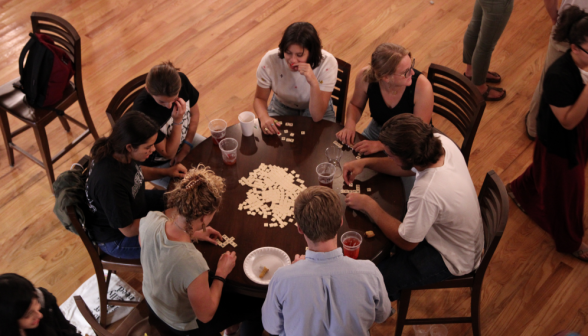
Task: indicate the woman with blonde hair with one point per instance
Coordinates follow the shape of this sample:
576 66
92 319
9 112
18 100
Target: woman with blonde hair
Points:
186 300
392 86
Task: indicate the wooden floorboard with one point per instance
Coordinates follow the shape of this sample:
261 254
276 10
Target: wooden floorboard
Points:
530 289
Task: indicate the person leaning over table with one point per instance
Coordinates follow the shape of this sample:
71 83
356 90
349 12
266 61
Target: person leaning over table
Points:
392 86
29 311
318 294
442 233
175 274
115 188
171 100
302 76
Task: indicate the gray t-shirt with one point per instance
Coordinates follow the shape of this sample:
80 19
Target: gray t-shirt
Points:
169 267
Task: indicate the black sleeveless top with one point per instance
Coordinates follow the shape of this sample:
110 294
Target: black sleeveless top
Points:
378 108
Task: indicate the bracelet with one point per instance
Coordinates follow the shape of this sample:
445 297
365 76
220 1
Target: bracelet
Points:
219 278
178 124
186 142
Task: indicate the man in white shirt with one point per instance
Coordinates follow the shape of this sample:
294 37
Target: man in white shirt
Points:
324 292
442 233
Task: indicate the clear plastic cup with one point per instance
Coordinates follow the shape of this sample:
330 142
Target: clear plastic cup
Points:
247 120
351 241
438 330
218 129
421 330
326 173
229 147
334 154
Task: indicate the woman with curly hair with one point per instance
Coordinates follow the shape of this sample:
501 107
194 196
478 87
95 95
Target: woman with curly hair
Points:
184 297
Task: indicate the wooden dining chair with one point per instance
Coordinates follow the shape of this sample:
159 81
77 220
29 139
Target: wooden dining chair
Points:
125 97
459 101
494 208
12 100
100 260
134 324
339 95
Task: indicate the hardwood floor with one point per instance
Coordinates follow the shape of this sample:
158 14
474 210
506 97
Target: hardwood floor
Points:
530 289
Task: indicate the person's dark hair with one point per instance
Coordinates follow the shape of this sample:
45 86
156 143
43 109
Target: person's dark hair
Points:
412 140
303 34
572 26
163 80
16 296
133 128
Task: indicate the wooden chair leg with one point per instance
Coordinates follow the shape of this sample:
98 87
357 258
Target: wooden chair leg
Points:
65 124
402 304
103 292
475 302
88 117
7 136
43 144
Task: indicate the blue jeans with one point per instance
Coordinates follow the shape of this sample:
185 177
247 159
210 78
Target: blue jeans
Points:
276 109
128 247
164 181
372 131
410 269
488 22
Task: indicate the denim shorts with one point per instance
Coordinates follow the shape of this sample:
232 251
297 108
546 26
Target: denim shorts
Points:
276 109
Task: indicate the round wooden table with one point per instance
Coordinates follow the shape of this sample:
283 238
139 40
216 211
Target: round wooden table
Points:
302 155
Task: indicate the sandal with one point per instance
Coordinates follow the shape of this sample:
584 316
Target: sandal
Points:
489 80
497 89
513 198
578 254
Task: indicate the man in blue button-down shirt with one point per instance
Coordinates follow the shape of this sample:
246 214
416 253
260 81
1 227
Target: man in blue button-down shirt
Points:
324 293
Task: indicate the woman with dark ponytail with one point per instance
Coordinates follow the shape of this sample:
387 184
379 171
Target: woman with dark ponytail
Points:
115 188
29 311
551 190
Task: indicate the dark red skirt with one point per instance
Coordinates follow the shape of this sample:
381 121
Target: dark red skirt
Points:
552 194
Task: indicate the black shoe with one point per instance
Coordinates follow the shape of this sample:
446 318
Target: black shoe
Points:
532 138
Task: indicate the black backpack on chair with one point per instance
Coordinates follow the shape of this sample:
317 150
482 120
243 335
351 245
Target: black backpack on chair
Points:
46 73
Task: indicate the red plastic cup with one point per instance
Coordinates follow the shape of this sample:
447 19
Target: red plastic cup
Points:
229 147
351 241
218 130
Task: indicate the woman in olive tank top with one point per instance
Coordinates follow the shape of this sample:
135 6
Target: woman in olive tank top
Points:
392 86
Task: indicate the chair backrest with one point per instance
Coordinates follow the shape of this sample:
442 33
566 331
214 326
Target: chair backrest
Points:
93 251
459 101
339 95
494 205
124 98
136 322
65 36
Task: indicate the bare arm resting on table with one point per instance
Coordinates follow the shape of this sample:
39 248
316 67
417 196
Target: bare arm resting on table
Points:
204 299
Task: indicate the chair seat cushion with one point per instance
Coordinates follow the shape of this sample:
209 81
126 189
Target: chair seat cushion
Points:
12 100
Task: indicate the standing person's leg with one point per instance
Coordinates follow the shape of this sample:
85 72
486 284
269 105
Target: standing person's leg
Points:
470 38
555 50
494 20
409 269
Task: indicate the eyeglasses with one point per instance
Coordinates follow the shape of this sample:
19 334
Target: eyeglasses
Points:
408 71
581 48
